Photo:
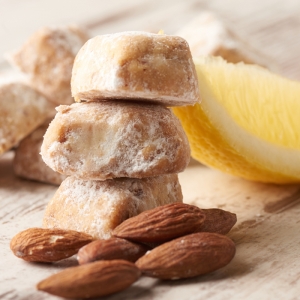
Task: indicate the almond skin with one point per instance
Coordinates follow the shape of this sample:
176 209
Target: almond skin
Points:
218 221
161 224
95 279
48 245
188 256
113 248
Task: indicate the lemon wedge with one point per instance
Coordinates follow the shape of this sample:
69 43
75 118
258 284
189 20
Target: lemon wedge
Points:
248 122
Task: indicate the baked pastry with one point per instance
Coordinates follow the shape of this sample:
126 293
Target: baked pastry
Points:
135 66
22 109
28 162
97 207
209 35
104 140
47 57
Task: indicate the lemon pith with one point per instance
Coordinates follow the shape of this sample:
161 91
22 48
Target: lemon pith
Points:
248 123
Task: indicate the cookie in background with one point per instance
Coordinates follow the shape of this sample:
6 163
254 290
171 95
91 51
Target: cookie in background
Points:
47 58
22 109
28 162
29 94
209 34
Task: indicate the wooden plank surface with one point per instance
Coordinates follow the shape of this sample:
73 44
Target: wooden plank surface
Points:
273 26
267 264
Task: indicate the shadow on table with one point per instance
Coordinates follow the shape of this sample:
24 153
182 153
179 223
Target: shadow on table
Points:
149 288
10 182
6 169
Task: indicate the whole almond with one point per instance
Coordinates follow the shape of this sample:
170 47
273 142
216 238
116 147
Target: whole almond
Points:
161 224
113 248
95 279
218 221
188 256
48 245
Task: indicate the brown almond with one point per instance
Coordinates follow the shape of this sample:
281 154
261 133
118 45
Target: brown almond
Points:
161 224
96 279
48 245
113 248
188 256
218 221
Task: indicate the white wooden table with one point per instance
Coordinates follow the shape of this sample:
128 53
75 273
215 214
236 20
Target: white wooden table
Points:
267 264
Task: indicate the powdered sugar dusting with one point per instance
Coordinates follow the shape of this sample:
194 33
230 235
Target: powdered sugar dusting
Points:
64 38
100 206
107 140
151 67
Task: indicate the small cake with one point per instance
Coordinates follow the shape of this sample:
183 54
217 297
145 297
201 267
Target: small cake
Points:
97 207
210 35
47 57
136 66
22 109
28 162
104 140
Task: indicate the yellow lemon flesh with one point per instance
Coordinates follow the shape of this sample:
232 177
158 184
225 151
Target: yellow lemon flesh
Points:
248 121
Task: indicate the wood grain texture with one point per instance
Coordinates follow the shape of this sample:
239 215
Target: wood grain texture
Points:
267 264
273 26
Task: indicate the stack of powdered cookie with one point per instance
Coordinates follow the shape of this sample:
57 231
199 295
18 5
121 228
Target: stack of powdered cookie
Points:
120 145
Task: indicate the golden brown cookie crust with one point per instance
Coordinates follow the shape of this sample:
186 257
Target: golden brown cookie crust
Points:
135 66
97 207
104 140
